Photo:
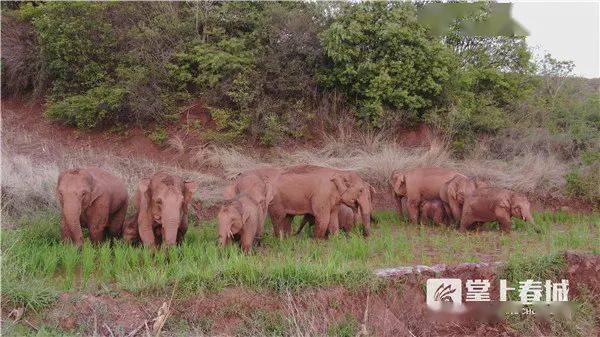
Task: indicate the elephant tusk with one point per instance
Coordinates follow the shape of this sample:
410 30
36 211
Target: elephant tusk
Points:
230 234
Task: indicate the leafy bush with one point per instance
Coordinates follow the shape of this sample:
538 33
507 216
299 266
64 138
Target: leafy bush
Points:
76 41
158 136
382 59
584 180
98 106
22 65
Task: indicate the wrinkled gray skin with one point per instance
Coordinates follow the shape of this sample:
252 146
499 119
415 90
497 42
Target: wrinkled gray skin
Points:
94 198
162 202
491 203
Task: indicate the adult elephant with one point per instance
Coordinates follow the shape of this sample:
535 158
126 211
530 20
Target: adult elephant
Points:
453 192
162 209
492 203
315 190
246 182
417 185
92 197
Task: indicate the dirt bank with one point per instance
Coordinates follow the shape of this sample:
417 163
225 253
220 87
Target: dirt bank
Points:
397 308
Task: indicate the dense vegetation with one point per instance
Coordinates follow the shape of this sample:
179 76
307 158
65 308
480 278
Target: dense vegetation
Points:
273 71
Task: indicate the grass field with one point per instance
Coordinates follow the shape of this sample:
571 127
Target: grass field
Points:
36 266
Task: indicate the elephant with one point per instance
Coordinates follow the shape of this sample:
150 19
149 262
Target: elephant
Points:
92 197
417 185
492 203
245 182
162 209
241 219
346 219
432 210
315 190
453 192
257 185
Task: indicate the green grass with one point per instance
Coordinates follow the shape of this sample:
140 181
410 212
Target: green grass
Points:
36 265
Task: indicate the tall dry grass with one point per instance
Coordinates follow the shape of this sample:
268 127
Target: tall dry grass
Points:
540 174
30 166
30 169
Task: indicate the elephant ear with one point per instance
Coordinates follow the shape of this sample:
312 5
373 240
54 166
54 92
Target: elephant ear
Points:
506 204
270 192
338 180
229 192
142 201
452 189
480 183
95 190
398 179
142 197
372 189
188 190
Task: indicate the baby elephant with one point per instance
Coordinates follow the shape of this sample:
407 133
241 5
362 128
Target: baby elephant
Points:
240 219
346 219
432 210
491 203
92 197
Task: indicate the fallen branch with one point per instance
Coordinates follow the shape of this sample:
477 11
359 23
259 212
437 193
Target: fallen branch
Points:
435 269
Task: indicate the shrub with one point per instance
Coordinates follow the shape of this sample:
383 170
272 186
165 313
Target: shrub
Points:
77 43
158 136
22 65
382 59
98 106
584 180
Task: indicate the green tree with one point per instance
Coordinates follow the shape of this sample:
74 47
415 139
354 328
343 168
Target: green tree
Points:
384 62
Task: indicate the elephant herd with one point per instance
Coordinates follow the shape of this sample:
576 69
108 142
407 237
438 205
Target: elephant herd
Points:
446 196
330 199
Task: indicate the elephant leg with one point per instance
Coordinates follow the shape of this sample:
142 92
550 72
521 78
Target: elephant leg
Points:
413 210
321 225
399 207
116 221
465 222
504 220
456 210
182 229
438 217
334 224
287 225
279 224
97 223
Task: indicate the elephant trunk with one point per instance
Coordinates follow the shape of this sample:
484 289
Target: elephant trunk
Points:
224 230
366 218
72 212
529 218
170 225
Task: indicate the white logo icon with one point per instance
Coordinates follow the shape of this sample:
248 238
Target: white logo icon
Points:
444 294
